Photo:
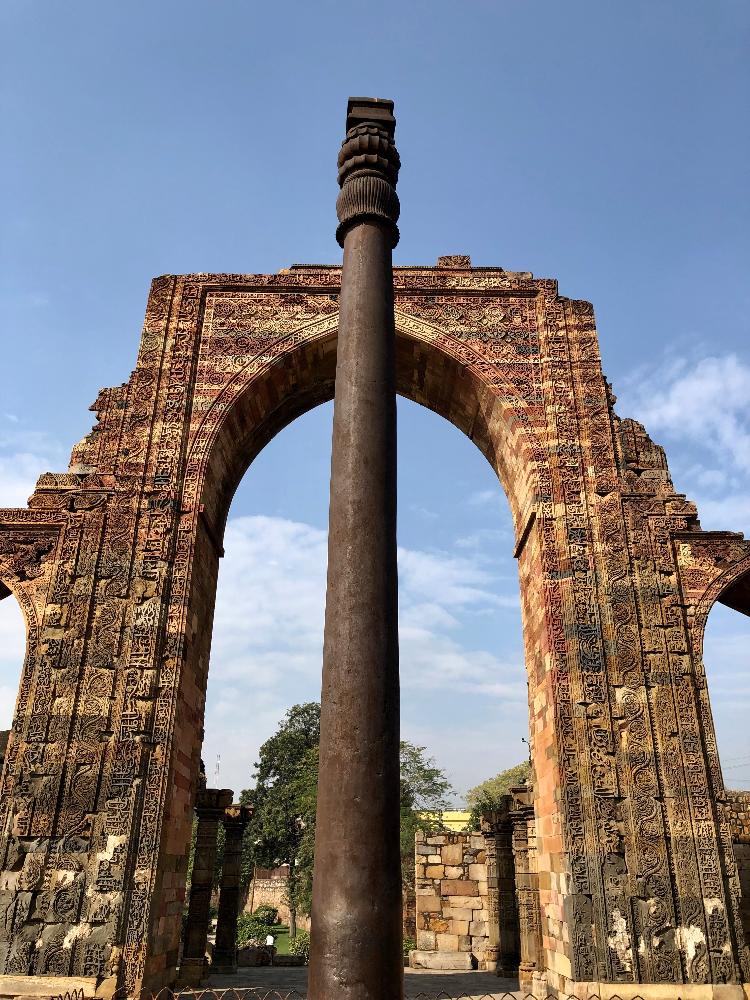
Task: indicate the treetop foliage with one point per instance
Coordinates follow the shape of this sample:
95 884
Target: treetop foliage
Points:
282 829
486 796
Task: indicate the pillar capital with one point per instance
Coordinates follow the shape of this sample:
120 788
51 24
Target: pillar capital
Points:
368 167
210 803
237 816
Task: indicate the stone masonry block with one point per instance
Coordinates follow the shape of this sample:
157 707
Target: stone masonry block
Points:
458 887
447 942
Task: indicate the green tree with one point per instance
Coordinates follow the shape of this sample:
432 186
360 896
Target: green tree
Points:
486 796
425 791
423 797
274 834
282 830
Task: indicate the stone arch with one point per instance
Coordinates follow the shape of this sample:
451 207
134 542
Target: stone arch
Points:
11 586
432 369
713 566
731 588
24 577
612 565
11 591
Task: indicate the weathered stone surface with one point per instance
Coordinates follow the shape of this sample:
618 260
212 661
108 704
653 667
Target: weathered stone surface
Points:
446 942
426 941
455 913
445 960
114 563
458 887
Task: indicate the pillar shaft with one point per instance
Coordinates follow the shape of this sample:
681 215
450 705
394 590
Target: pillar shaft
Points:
209 808
356 919
508 931
225 951
527 884
502 954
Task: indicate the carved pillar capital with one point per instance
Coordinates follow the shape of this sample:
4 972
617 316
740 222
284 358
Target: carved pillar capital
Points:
236 818
368 167
211 803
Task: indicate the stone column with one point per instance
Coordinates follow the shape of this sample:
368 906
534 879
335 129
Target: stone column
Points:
356 918
527 883
509 945
503 951
209 807
235 819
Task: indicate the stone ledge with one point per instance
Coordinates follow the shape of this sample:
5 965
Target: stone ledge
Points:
454 961
46 986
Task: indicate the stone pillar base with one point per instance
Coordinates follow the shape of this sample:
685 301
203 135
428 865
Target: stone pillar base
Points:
192 971
505 971
529 978
223 968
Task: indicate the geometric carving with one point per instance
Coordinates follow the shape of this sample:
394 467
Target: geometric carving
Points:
114 563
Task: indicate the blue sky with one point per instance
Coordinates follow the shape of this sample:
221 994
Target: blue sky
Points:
605 145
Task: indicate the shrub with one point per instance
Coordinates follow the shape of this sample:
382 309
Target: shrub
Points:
267 915
300 945
409 945
251 931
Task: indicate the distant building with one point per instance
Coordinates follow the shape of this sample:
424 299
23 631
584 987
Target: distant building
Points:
455 820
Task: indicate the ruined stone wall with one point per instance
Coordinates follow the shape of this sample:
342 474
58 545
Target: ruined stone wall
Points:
737 811
268 887
452 901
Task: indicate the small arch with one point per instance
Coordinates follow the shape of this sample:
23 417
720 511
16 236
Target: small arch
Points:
15 597
732 589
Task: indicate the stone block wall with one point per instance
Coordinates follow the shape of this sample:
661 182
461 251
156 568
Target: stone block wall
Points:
737 812
269 888
452 901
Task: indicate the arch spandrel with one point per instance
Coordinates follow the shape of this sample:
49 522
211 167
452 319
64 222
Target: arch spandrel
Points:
630 845
297 372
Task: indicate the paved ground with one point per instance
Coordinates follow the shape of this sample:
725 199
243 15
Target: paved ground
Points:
417 983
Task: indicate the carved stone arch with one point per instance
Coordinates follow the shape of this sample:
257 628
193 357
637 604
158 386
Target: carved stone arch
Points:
12 586
26 554
713 566
432 368
637 878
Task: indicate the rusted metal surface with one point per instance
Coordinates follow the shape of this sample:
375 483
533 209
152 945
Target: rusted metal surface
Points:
356 922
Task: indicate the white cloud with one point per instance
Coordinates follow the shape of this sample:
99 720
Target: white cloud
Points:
497 540
268 637
704 404
24 456
482 497
700 411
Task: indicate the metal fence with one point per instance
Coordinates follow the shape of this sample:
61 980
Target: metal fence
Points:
266 993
